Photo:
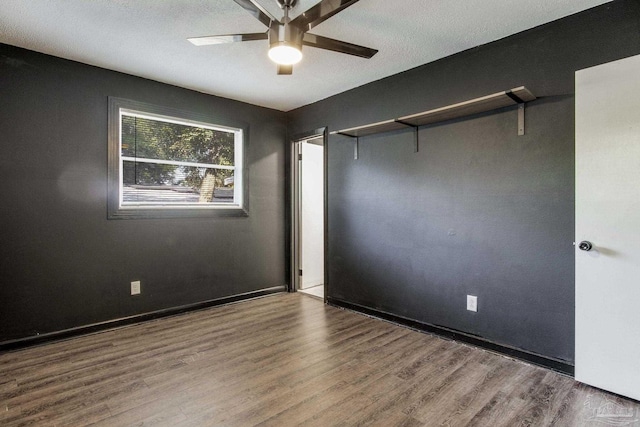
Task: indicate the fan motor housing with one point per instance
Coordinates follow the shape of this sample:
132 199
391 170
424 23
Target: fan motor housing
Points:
285 34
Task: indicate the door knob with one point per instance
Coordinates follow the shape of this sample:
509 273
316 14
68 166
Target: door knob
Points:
585 246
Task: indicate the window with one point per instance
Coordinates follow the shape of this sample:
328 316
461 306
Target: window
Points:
168 163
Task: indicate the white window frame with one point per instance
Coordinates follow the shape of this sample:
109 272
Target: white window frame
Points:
119 209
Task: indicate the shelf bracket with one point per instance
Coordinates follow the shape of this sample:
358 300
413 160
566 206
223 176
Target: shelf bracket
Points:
356 140
415 133
355 148
520 103
521 119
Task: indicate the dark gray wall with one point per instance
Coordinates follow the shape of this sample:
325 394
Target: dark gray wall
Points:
62 263
478 210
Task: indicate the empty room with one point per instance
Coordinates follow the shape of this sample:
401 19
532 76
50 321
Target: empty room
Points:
320 212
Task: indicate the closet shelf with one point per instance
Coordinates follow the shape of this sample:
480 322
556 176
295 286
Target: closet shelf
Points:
514 96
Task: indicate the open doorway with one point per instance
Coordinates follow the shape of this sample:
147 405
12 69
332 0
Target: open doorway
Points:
309 215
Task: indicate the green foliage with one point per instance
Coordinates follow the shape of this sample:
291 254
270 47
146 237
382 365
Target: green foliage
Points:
153 139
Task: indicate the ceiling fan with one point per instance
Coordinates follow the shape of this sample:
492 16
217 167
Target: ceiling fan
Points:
286 36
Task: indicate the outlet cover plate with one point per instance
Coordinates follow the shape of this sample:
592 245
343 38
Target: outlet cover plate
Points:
472 303
135 288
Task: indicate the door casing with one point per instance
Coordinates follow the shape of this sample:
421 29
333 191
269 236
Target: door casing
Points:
295 246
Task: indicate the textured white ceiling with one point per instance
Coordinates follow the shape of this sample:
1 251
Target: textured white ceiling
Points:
147 38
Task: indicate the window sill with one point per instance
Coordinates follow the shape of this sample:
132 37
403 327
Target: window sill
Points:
162 212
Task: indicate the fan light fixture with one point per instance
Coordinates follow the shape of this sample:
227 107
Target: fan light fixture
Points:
285 54
285 40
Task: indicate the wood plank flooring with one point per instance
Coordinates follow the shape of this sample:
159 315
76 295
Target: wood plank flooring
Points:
287 360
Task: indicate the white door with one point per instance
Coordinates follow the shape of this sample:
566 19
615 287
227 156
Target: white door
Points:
608 215
312 214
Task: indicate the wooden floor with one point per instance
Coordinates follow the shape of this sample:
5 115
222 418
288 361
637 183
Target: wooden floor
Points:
287 360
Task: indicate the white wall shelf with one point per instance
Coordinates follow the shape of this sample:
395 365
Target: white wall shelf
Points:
515 96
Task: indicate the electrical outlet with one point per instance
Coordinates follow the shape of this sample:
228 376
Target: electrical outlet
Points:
135 287
472 303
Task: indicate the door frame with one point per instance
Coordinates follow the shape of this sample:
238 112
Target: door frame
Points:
294 211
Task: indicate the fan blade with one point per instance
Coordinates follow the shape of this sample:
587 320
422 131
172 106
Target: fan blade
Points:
285 69
337 46
320 12
257 11
227 38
